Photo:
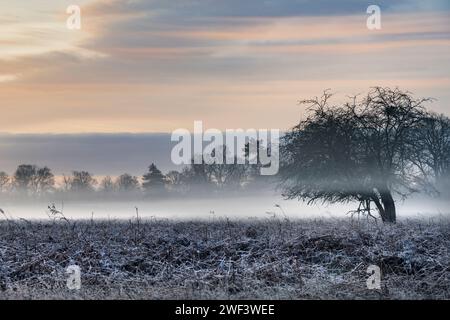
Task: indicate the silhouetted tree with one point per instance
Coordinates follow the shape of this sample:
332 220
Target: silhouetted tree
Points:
107 185
66 183
203 177
154 182
432 150
4 181
23 177
175 181
82 181
45 180
362 151
30 178
197 178
224 175
127 183
254 179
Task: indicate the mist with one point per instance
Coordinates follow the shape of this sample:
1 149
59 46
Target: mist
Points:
264 206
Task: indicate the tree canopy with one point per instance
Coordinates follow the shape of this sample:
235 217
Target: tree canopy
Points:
366 150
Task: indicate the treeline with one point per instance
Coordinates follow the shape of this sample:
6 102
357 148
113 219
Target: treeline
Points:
39 182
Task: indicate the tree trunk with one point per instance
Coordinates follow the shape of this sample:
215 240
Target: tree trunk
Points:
385 205
389 214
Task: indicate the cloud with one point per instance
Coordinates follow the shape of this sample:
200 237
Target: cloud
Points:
8 77
190 10
158 65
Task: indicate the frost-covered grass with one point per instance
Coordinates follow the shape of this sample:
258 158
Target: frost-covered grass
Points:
222 259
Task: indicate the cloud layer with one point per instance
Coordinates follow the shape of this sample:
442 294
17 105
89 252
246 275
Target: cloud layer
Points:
141 66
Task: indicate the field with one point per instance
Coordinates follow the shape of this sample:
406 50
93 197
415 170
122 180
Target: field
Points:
221 259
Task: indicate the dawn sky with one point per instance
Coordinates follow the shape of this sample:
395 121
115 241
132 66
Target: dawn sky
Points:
154 66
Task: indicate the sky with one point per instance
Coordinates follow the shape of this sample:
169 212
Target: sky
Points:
157 65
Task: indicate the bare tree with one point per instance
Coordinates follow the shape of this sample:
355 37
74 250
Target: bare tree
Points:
223 175
44 181
66 183
361 151
195 178
30 178
203 177
23 177
82 181
432 151
107 185
4 181
175 181
127 183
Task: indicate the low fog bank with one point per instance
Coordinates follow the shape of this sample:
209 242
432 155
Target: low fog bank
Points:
201 207
103 154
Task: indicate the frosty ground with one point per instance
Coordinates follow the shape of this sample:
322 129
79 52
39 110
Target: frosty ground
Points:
225 259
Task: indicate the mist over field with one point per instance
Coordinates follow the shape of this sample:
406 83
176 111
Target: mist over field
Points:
114 154
264 206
